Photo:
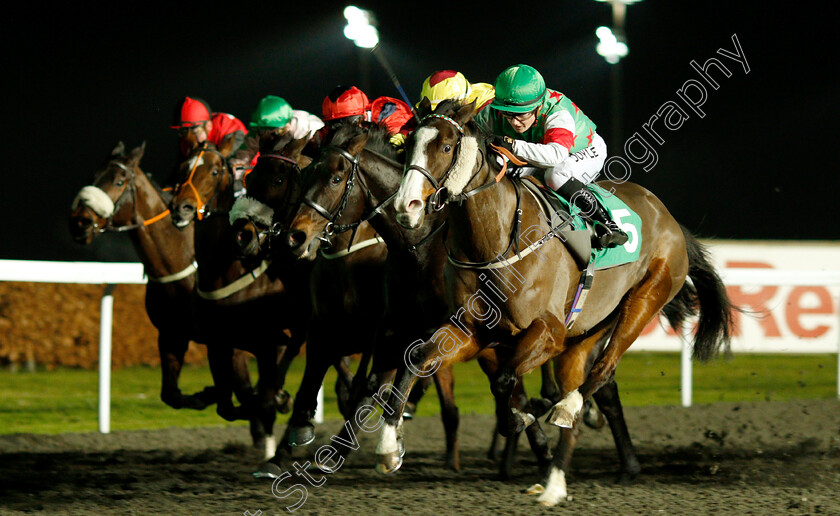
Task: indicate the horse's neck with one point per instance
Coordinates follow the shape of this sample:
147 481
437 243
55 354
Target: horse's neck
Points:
383 179
481 227
163 248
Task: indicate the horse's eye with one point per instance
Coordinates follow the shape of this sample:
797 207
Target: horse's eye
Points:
119 183
336 180
447 148
215 171
278 181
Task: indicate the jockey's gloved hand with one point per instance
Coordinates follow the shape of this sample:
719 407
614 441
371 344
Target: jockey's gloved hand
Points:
397 140
505 142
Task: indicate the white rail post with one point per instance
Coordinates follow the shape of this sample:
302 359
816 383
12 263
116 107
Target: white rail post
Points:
106 322
319 409
685 365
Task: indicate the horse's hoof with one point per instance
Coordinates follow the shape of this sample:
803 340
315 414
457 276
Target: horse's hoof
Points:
559 416
519 421
539 406
410 408
388 463
534 489
593 418
301 435
284 402
268 470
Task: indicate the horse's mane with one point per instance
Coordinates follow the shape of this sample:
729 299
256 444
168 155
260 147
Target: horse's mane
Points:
449 107
378 141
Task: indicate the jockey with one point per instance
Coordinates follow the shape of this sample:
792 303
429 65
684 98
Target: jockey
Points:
350 104
544 128
449 84
196 123
275 116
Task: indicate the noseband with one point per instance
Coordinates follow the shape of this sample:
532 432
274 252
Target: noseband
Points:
132 189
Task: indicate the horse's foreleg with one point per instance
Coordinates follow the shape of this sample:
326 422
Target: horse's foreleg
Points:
265 404
423 359
285 355
172 348
302 431
445 385
641 305
553 488
220 359
570 370
539 342
608 401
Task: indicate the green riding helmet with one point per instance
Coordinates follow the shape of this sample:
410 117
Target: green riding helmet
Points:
519 89
272 112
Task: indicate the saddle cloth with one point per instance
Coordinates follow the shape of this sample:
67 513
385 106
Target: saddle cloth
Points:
579 234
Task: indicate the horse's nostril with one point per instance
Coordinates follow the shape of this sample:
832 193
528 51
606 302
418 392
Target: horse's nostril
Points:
244 238
415 205
296 239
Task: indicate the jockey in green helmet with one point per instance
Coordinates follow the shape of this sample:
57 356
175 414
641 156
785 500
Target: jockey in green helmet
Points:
544 128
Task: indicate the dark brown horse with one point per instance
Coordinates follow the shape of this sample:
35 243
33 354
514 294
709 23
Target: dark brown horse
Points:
525 306
121 198
415 264
232 292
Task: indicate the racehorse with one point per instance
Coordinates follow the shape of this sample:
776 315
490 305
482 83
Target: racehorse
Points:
232 291
447 160
415 264
121 198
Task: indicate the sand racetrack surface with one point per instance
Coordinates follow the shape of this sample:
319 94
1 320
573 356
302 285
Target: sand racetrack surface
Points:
747 458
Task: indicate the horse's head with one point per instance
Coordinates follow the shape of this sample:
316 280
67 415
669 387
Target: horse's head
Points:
441 154
108 202
201 178
327 188
271 188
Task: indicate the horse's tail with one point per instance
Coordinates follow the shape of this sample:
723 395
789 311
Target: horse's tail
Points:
705 295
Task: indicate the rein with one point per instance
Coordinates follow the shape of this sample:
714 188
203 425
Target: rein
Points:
332 227
133 189
437 201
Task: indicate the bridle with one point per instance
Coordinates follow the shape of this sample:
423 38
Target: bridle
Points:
203 209
441 197
332 227
130 189
275 229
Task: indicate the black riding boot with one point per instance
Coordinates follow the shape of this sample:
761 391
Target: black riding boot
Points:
606 230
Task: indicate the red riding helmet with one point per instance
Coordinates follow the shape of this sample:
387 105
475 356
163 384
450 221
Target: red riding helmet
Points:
345 101
190 112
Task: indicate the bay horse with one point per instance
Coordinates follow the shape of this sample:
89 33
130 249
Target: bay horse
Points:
331 211
123 199
447 160
232 291
415 263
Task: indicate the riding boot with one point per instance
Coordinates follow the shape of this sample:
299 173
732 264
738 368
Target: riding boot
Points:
607 232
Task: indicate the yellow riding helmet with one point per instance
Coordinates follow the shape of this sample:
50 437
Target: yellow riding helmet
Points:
445 84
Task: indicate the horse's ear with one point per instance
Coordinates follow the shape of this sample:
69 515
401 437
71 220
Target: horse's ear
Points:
295 147
465 113
137 154
225 147
424 108
118 150
357 142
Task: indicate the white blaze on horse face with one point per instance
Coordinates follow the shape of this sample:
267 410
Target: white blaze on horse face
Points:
388 440
555 489
196 161
409 202
96 199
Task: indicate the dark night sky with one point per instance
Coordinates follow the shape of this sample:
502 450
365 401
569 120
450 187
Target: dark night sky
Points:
759 165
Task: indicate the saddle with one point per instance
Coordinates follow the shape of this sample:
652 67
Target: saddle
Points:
578 242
